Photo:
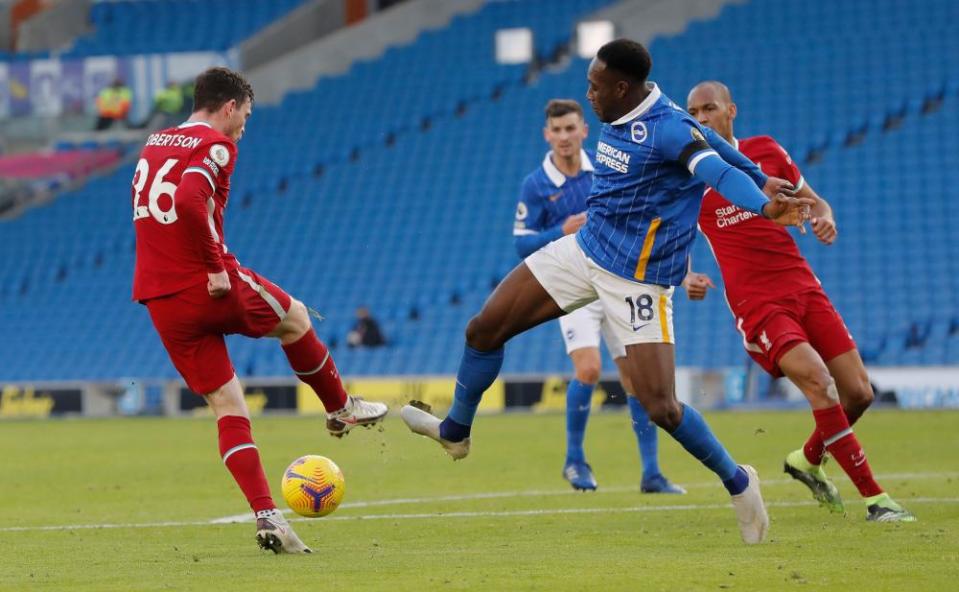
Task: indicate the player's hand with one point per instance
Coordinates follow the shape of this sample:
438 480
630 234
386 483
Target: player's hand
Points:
696 285
218 284
574 223
789 211
774 186
824 227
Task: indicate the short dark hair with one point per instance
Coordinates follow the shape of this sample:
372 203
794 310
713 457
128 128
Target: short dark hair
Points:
628 57
561 107
216 86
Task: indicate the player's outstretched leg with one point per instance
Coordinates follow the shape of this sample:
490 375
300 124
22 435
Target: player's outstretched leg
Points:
242 459
651 369
519 303
311 361
803 365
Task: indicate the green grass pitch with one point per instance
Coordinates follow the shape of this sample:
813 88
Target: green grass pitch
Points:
500 520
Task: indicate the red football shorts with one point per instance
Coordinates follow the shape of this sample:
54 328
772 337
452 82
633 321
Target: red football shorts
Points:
770 329
192 325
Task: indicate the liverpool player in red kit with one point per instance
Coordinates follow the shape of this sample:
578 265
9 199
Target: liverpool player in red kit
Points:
197 292
788 324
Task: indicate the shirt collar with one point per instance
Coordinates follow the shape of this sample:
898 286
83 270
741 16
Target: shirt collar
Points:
556 176
648 102
735 142
193 123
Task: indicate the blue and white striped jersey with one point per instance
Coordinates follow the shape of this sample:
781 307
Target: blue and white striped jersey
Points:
645 202
547 198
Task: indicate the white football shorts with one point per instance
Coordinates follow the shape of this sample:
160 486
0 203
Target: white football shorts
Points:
635 312
582 328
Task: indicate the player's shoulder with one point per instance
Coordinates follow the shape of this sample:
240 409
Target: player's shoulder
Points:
215 146
675 126
761 144
534 183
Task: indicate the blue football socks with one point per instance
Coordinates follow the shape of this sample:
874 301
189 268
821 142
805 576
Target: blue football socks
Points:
477 372
578 398
696 437
646 436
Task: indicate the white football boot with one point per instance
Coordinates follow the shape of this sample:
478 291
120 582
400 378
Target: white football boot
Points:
751 511
357 412
273 532
420 421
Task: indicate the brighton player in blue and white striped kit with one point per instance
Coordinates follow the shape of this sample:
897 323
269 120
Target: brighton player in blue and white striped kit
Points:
651 162
552 205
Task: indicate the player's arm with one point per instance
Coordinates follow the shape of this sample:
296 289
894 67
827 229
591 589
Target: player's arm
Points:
820 215
208 166
734 157
529 241
191 197
770 185
529 235
696 284
684 143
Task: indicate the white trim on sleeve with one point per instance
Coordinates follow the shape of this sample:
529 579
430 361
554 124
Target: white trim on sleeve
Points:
696 159
204 172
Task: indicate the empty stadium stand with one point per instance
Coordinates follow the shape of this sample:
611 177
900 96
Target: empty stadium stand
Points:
162 26
394 186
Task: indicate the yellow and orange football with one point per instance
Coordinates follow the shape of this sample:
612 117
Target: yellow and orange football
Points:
313 486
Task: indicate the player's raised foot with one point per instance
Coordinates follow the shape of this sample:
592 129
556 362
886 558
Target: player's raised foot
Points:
750 510
658 483
273 532
882 508
580 475
357 412
814 477
418 418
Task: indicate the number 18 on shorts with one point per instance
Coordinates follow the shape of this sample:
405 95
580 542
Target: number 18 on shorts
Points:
649 312
635 312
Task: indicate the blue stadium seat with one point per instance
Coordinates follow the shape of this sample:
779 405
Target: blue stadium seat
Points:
404 217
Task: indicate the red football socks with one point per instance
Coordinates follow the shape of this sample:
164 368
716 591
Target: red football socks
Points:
313 364
814 449
838 438
241 457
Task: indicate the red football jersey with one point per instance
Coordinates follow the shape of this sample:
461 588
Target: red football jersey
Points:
180 240
758 258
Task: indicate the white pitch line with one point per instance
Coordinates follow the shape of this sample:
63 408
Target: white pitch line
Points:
478 514
633 509
248 517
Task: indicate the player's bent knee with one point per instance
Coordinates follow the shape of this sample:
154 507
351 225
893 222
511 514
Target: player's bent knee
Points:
481 335
859 398
297 318
665 411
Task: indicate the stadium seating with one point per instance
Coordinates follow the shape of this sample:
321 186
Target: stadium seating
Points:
163 26
393 186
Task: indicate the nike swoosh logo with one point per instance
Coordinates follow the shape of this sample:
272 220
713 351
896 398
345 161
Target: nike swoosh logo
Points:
638 327
555 196
583 407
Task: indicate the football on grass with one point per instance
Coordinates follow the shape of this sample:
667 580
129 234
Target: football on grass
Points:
313 486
